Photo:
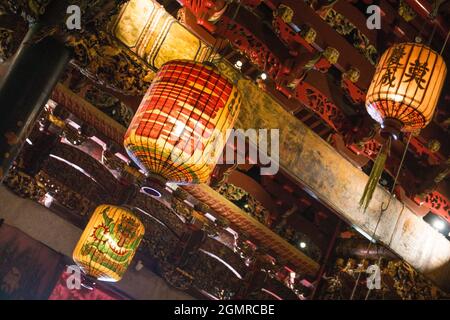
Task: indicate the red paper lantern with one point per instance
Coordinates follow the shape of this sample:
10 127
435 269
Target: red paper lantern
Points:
180 127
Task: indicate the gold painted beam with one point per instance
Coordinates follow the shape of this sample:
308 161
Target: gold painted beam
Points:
316 165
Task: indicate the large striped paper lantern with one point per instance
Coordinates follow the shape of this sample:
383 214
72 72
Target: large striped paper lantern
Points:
179 130
108 243
406 87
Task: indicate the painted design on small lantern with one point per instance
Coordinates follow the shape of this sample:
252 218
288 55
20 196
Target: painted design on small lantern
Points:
108 243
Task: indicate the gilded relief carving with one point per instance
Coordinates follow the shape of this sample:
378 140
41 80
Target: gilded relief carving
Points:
28 9
103 60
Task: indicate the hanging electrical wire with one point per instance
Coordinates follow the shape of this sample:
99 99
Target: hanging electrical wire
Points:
382 210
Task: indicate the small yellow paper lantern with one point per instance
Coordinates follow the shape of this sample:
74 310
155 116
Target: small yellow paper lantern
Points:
406 86
179 130
109 243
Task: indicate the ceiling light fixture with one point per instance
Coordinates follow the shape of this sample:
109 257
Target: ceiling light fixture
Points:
439 225
151 192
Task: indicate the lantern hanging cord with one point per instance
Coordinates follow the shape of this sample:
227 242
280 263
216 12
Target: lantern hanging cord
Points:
432 16
382 210
237 11
214 50
399 169
432 34
218 43
421 31
445 43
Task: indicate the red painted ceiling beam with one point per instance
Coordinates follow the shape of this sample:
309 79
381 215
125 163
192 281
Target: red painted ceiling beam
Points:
328 37
423 8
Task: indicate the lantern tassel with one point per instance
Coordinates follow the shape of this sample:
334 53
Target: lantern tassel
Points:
375 175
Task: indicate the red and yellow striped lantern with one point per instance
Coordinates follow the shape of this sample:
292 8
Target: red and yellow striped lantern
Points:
180 127
108 243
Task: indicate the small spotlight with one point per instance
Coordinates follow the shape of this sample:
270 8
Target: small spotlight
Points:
239 64
439 225
263 76
139 265
151 192
29 142
47 200
302 245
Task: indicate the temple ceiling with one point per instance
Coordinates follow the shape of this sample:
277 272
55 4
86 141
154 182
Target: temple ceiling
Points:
314 94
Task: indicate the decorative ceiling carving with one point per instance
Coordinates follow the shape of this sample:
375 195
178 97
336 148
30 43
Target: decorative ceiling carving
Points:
28 9
102 59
